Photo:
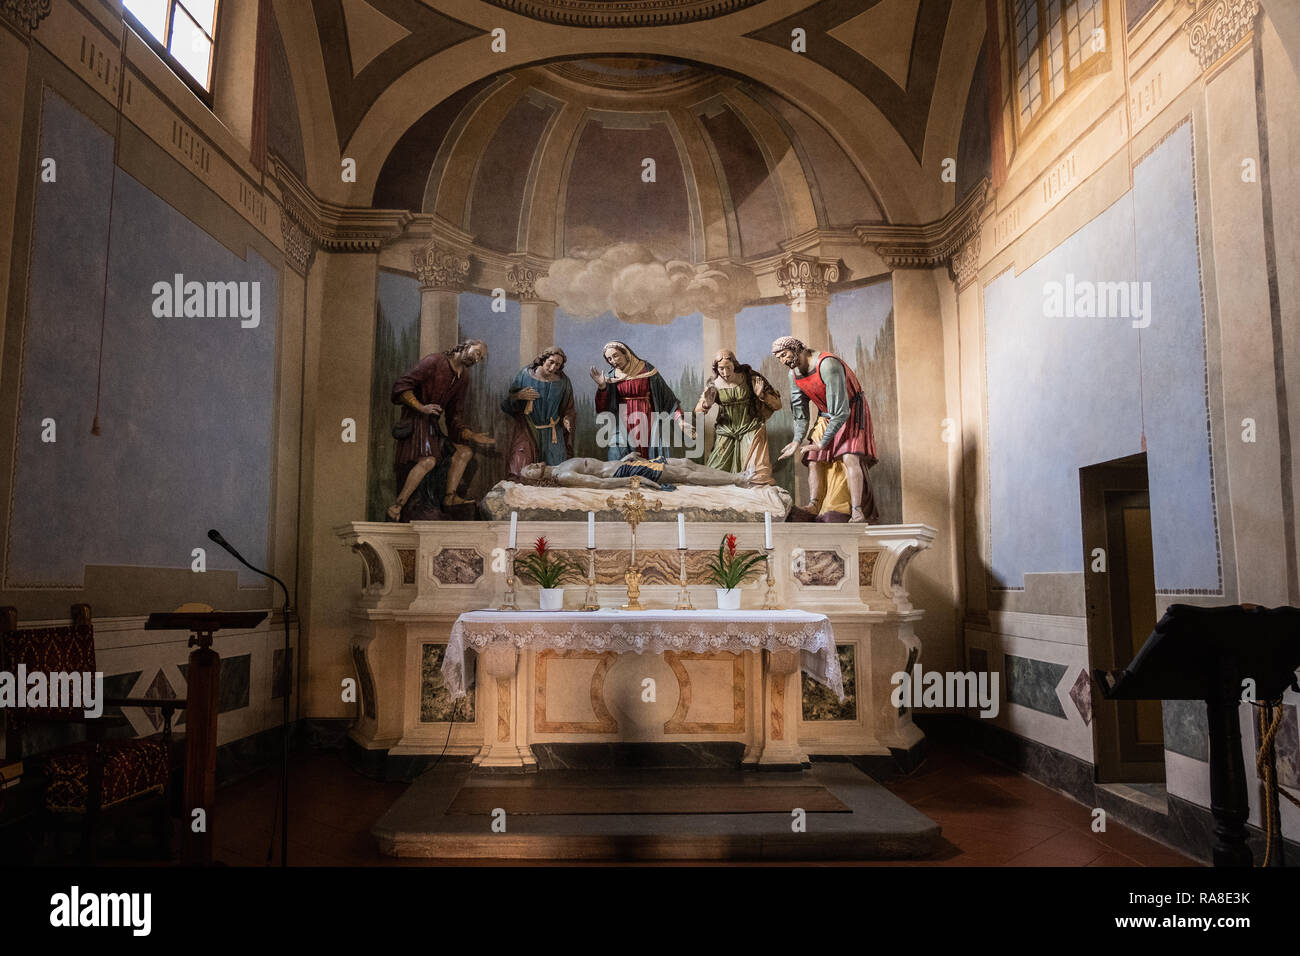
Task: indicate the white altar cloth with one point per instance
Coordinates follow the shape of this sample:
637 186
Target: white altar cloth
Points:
622 632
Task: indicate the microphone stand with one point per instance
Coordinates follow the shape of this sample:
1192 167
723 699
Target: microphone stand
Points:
284 743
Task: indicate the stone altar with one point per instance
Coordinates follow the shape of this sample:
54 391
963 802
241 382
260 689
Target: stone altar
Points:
418 578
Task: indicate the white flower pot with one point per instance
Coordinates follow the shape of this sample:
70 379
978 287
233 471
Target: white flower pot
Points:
552 598
728 599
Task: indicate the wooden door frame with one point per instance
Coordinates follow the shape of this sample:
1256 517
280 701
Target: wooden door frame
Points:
1095 481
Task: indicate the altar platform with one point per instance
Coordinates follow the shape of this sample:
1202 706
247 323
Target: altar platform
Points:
654 815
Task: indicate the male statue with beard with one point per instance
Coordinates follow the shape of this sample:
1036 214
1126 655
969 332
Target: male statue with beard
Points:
842 436
432 391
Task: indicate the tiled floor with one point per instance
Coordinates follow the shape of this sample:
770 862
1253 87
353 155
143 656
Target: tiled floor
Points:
990 815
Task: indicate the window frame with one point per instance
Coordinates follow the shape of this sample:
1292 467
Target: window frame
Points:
159 46
1098 62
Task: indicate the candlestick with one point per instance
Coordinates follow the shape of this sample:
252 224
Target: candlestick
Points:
767 530
592 600
509 603
684 597
681 530
770 602
514 527
591 529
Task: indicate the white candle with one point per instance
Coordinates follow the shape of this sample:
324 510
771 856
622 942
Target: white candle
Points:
591 529
681 531
767 530
514 526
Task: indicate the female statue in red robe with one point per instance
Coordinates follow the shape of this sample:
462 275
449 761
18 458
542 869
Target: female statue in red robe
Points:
640 403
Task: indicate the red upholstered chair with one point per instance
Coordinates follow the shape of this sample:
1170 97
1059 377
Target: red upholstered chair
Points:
87 779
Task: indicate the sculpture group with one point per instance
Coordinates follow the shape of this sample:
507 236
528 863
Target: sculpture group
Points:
637 413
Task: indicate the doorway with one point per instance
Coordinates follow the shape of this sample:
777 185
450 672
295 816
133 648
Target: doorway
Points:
1120 593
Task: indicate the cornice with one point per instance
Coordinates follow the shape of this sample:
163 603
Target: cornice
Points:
929 245
333 227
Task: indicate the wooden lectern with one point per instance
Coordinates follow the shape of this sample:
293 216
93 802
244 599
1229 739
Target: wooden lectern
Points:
1207 653
203 678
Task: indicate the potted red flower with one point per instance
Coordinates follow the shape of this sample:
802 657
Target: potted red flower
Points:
545 568
729 570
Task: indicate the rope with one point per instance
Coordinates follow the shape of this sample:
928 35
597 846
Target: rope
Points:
1269 722
108 244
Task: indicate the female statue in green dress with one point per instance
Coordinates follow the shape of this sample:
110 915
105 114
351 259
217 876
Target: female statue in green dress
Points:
745 400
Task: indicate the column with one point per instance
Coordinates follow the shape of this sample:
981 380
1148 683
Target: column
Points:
720 333
777 743
806 281
443 273
505 743
536 315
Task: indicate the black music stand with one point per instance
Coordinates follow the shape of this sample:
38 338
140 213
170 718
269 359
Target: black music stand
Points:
202 689
1205 653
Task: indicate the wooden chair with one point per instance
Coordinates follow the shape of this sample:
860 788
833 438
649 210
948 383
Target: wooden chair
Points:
87 779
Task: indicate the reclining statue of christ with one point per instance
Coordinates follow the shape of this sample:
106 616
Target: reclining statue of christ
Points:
662 474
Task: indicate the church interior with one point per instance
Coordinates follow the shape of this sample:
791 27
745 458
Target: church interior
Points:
547 431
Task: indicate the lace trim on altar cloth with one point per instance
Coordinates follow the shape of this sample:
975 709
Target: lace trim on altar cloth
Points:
815 639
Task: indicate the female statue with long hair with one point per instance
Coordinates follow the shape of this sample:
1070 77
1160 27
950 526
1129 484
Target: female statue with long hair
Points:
540 401
640 402
745 400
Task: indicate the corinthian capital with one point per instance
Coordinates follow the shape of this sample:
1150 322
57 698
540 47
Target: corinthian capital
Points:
806 277
1217 26
523 281
441 267
26 14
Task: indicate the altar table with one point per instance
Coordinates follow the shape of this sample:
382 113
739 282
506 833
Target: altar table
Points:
551 681
655 631
788 641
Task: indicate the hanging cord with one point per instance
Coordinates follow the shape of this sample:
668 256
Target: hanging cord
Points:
108 244
1269 721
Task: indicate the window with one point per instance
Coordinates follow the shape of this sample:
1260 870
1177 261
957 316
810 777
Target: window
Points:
182 31
1056 43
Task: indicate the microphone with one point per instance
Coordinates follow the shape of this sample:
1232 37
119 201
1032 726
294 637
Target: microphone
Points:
215 535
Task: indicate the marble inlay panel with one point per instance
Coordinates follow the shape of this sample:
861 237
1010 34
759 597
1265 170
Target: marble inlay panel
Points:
818 701
677 723
602 721
457 566
777 714
407 557
159 687
115 685
662 566
503 708
234 680
1187 729
1032 684
866 567
436 705
1081 694
374 566
366 680
818 568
